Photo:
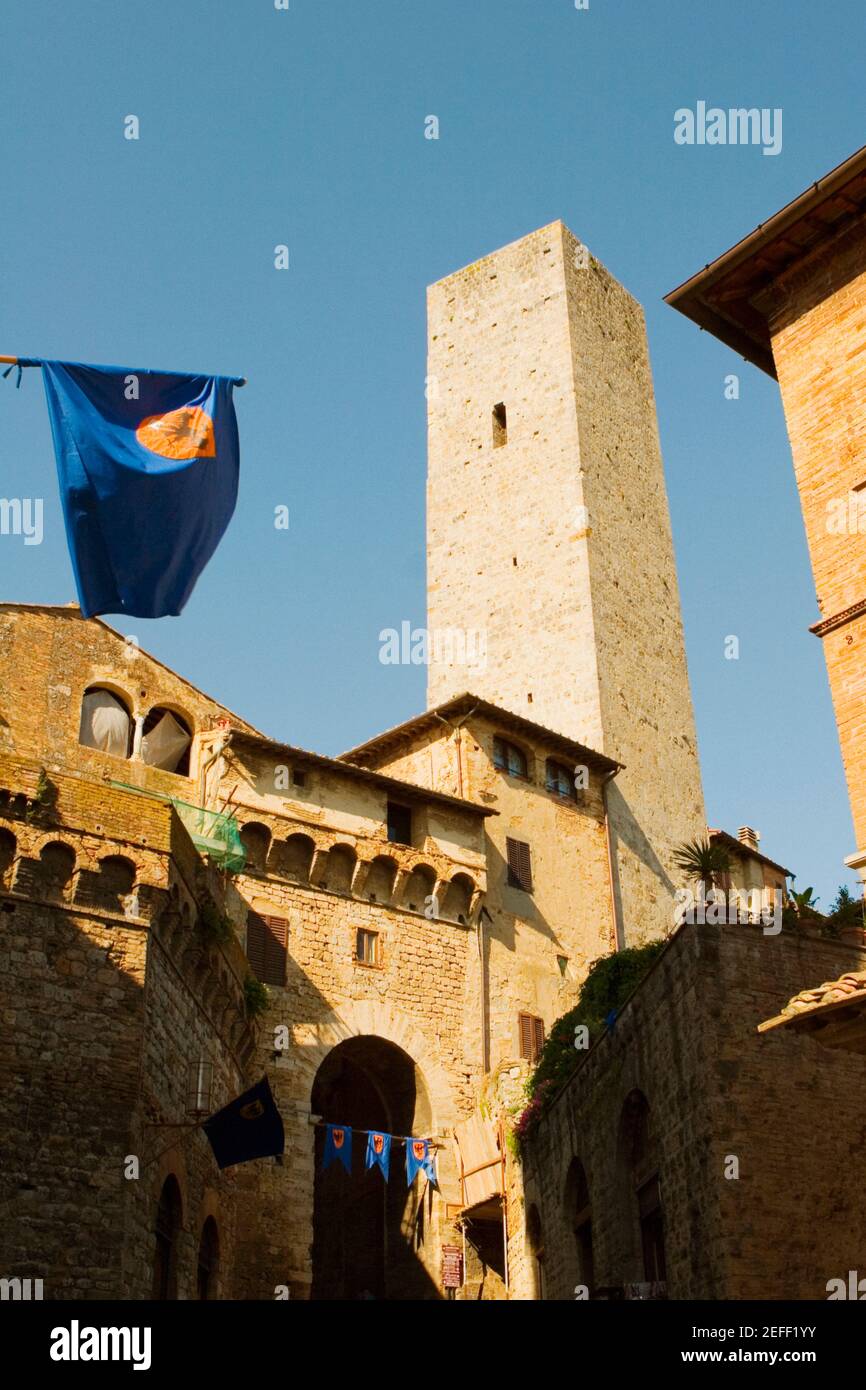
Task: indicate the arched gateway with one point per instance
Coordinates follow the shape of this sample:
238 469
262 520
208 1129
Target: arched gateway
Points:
371 1238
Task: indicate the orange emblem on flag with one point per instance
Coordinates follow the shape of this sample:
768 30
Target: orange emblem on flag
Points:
418 1148
338 1137
179 434
378 1142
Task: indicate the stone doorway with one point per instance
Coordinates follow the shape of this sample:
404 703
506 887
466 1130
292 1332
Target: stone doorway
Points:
371 1239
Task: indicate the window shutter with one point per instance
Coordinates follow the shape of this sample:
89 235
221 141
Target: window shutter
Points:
538 1037
256 945
526 1036
519 865
267 947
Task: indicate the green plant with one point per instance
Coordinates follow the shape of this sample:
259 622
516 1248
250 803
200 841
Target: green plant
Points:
702 862
256 996
215 926
610 982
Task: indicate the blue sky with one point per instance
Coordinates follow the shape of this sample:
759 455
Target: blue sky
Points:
306 127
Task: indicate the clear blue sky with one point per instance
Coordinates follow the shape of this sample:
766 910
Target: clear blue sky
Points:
306 127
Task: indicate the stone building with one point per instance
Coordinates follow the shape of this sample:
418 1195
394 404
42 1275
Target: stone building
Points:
791 298
548 529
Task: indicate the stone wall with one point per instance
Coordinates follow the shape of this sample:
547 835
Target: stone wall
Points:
787 1110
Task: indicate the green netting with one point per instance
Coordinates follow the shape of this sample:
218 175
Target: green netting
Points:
215 833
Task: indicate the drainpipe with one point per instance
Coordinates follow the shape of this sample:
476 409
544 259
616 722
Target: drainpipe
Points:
614 905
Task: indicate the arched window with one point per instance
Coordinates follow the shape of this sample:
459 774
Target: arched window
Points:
165 741
8 846
535 1241
458 899
57 862
169 1215
509 758
208 1259
116 880
579 1215
560 780
419 887
341 869
293 858
105 722
381 877
256 840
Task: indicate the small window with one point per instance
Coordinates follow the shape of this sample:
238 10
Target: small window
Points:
509 758
399 824
562 962
299 779
168 1225
652 1231
500 426
519 865
267 947
531 1036
208 1260
559 780
368 948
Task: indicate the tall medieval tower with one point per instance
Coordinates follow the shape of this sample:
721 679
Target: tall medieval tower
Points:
548 530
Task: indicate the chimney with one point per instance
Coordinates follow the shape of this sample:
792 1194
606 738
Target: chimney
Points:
748 837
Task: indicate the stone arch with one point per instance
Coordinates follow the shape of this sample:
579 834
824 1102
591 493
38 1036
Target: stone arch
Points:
8 851
381 878
340 869
419 887
106 722
256 840
57 866
458 898
293 857
166 739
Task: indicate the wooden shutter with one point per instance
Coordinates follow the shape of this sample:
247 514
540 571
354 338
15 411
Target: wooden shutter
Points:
519 864
531 1036
267 946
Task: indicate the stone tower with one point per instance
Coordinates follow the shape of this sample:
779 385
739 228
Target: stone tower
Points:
548 529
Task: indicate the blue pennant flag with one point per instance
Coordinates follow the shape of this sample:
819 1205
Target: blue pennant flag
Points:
148 468
419 1158
248 1127
379 1151
338 1144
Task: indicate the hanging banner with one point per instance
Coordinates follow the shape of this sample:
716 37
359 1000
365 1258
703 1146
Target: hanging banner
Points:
379 1151
338 1144
419 1158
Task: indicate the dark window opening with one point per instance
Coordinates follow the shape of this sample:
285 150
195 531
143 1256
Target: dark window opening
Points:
168 1223
368 950
299 779
559 780
519 865
509 758
106 723
267 947
500 426
208 1259
531 1036
399 824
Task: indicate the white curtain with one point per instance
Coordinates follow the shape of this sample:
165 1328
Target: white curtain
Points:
104 723
166 744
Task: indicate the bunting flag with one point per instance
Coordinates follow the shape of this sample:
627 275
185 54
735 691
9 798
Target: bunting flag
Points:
419 1158
338 1144
148 468
248 1127
379 1151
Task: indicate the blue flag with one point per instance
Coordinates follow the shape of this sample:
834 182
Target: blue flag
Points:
379 1151
419 1158
248 1127
148 468
338 1144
